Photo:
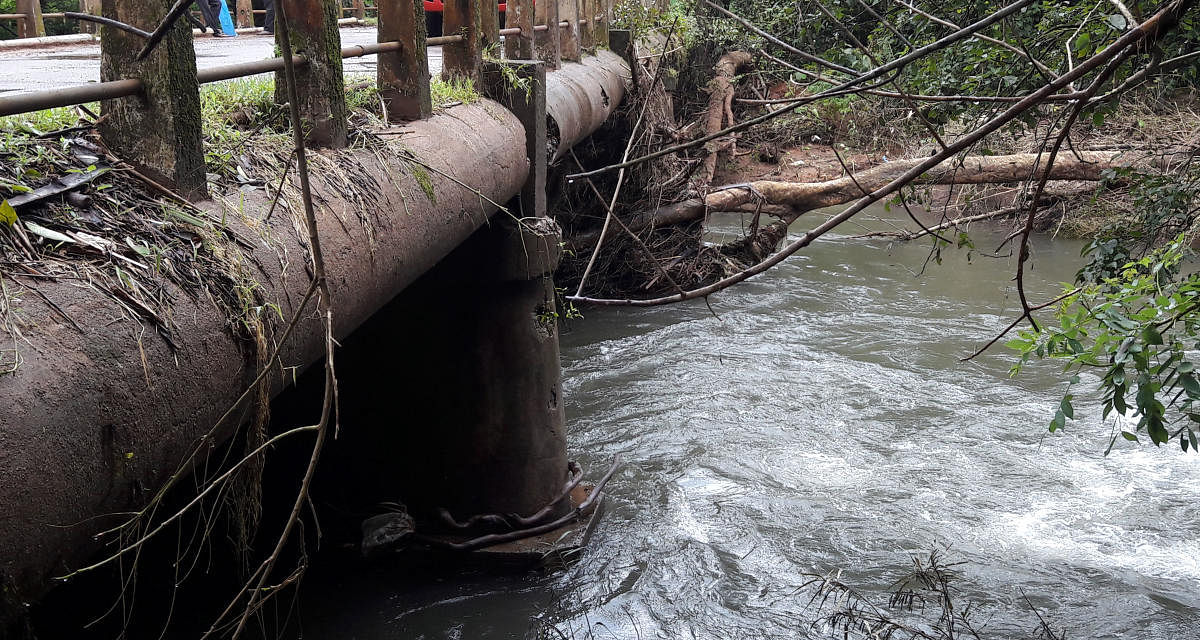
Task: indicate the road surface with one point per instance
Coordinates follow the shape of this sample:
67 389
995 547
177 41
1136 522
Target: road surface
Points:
75 64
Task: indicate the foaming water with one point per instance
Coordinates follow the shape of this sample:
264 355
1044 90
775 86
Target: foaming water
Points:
823 420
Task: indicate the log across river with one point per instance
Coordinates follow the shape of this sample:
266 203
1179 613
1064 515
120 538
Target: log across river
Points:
824 421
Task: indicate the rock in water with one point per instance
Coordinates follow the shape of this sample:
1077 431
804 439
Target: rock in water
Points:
386 532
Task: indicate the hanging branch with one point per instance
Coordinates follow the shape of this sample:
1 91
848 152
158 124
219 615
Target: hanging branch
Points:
256 584
1023 253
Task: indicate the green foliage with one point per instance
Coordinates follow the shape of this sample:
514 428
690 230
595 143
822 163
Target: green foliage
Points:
641 20
455 90
972 66
1134 319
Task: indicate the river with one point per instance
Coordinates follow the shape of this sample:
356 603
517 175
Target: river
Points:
819 418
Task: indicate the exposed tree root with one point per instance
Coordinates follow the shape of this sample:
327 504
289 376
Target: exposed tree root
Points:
719 113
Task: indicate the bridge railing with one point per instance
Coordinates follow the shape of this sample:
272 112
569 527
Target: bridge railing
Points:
152 106
29 19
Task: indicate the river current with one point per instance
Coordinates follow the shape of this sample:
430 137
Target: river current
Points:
819 418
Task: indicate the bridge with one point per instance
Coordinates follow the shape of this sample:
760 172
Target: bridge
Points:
112 397
72 62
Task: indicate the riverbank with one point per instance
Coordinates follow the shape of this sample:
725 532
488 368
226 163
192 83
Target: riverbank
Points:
817 145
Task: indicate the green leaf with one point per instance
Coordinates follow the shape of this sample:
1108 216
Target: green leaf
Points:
1066 408
1156 430
8 214
1082 42
1151 336
1058 422
1129 436
1189 384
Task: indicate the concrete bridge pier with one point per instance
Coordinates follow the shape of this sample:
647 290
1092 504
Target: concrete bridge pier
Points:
458 386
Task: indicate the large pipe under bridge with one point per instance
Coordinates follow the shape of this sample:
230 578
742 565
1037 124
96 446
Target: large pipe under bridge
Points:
114 385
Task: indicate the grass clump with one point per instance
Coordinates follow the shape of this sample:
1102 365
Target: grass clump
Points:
448 93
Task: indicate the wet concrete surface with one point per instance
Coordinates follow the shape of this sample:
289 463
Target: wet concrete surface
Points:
76 64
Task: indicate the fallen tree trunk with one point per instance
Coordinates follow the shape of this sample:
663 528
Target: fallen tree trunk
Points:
800 197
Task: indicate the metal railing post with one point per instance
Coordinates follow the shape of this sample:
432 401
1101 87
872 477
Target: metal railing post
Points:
32 26
403 76
545 43
461 17
568 10
313 27
519 14
159 131
621 43
527 100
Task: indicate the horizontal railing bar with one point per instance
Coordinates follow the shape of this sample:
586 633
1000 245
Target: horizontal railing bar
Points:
36 101
12 16
243 69
440 40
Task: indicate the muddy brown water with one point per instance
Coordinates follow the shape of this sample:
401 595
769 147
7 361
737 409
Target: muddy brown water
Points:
823 420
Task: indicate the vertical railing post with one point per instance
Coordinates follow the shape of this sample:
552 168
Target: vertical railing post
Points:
604 8
527 100
158 132
462 59
519 14
360 10
621 43
587 30
568 11
245 14
92 8
403 75
31 26
545 43
489 28
313 27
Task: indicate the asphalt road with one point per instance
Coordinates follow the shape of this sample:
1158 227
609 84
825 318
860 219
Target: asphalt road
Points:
75 64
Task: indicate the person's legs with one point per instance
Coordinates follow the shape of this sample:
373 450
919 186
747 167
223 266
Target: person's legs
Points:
214 16
210 20
269 18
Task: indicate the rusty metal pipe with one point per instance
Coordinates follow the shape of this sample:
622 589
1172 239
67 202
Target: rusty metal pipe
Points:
243 69
440 40
36 101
